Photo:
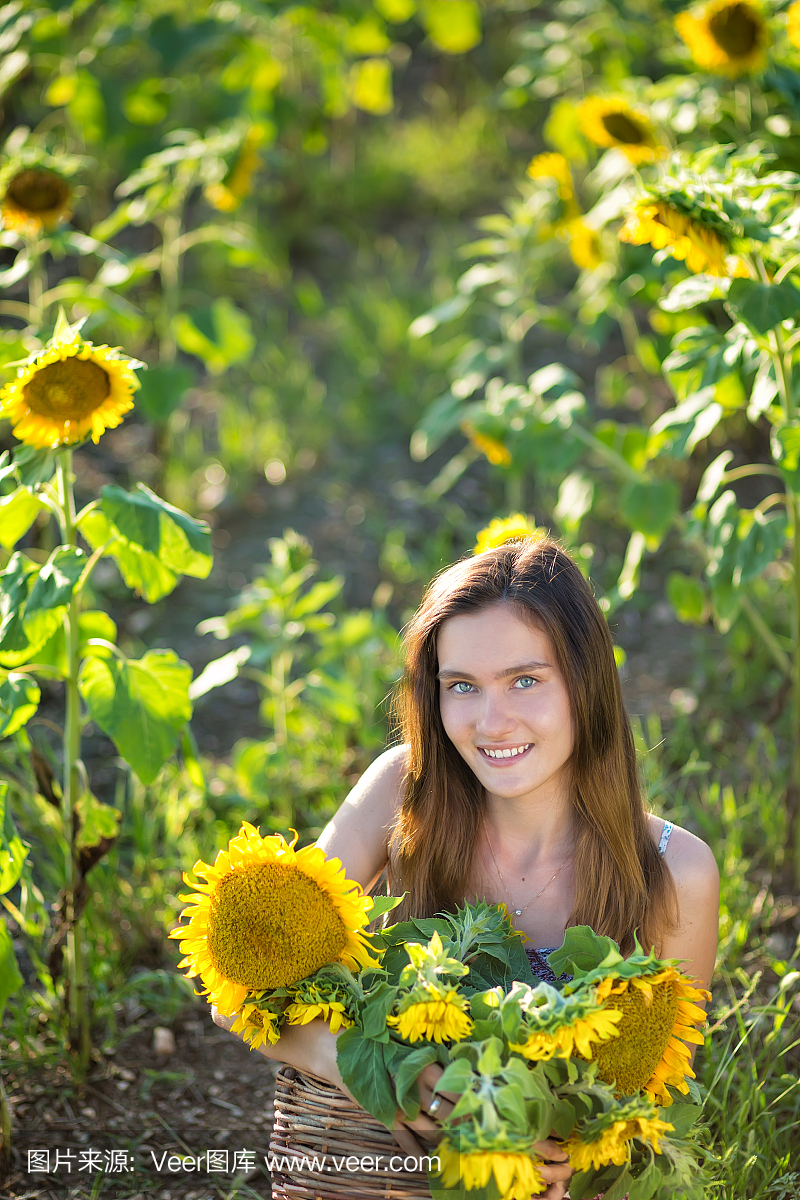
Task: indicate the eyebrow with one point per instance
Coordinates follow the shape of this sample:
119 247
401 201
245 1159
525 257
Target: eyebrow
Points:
520 669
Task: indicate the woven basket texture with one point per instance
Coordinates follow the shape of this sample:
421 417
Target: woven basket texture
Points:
312 1119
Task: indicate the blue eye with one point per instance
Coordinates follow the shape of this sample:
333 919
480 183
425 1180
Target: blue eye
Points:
457 688
525 681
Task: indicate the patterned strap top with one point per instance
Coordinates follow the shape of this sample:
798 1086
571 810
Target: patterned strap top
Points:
538 958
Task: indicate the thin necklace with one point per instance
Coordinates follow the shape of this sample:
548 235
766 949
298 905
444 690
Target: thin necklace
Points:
519 911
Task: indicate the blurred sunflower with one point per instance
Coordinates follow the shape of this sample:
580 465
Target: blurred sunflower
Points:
584 245
438 1017
257 1026
269 915
494 450
553 166
663 225
69 391
727 36
515 528
607 1139
35 199
609 121
516 1174
227 194
659 1016
793 24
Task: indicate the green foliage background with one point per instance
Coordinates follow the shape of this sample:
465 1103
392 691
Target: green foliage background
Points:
315 225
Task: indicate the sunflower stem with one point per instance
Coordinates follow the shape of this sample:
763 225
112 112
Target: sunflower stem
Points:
782 362
37 283
79 1036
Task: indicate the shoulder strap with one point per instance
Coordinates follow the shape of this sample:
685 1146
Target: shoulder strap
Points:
665 832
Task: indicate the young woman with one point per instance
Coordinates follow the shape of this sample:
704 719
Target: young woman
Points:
517 782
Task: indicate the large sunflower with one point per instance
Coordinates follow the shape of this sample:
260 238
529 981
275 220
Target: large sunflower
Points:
516 1174
659 1016
664 226
727 36
69 391
269 915
575 1038
612 122
35 199
516 528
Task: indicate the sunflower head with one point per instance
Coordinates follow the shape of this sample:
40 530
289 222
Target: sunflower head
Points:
516 528
584 245
69 391
606 1139
612 122
495 451
35 199
516 1173
258 1025
269 915
433 1013
729 37
694 235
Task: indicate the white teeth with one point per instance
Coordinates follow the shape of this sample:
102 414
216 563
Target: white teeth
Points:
507 753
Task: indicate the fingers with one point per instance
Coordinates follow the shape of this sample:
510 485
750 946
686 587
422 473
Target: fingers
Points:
550 1149
405 1139
556 1172
556 1191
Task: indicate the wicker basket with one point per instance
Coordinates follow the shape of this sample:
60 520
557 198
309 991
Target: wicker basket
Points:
315 1120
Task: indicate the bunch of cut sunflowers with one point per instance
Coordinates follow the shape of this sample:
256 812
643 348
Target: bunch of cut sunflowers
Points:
600 1060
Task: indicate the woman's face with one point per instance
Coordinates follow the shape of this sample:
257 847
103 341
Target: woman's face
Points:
504 703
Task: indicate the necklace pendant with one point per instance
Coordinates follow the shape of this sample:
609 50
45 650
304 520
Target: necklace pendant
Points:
517 912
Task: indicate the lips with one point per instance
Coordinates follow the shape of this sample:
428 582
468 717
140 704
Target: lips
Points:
504 754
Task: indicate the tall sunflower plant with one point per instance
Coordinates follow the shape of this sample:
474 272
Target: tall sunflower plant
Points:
600 1060
63 395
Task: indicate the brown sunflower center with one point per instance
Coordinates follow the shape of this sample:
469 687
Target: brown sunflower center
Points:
270 925
68 390
37 191
735 30
620 127
644 1034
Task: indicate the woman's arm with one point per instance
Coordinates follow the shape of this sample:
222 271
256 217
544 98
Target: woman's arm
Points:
696 876
359 832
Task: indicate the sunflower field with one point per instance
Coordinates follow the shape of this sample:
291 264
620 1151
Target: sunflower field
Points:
299 303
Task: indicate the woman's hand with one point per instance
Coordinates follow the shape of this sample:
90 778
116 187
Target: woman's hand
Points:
555 1169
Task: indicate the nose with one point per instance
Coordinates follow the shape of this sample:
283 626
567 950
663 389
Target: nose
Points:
495 719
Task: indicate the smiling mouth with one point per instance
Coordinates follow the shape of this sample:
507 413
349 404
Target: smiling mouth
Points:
504 754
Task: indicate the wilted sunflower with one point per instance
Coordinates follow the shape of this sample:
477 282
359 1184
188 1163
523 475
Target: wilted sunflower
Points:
659 1015
612 122
607 1140
664 226
35 199
727 36
268 916
69 391
436 1014
515 528
516 1174
332 1011
258 1026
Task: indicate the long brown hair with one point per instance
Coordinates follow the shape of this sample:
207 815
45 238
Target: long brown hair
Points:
622 885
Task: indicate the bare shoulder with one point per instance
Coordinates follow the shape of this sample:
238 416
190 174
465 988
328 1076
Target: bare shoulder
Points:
688 857
359 832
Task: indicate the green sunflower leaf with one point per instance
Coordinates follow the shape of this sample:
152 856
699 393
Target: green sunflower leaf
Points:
582 951
17 513
10 978
15 583
13 850
406 1075
19 700
762 306
52 592
92 623
362 1063
141 704
97 820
